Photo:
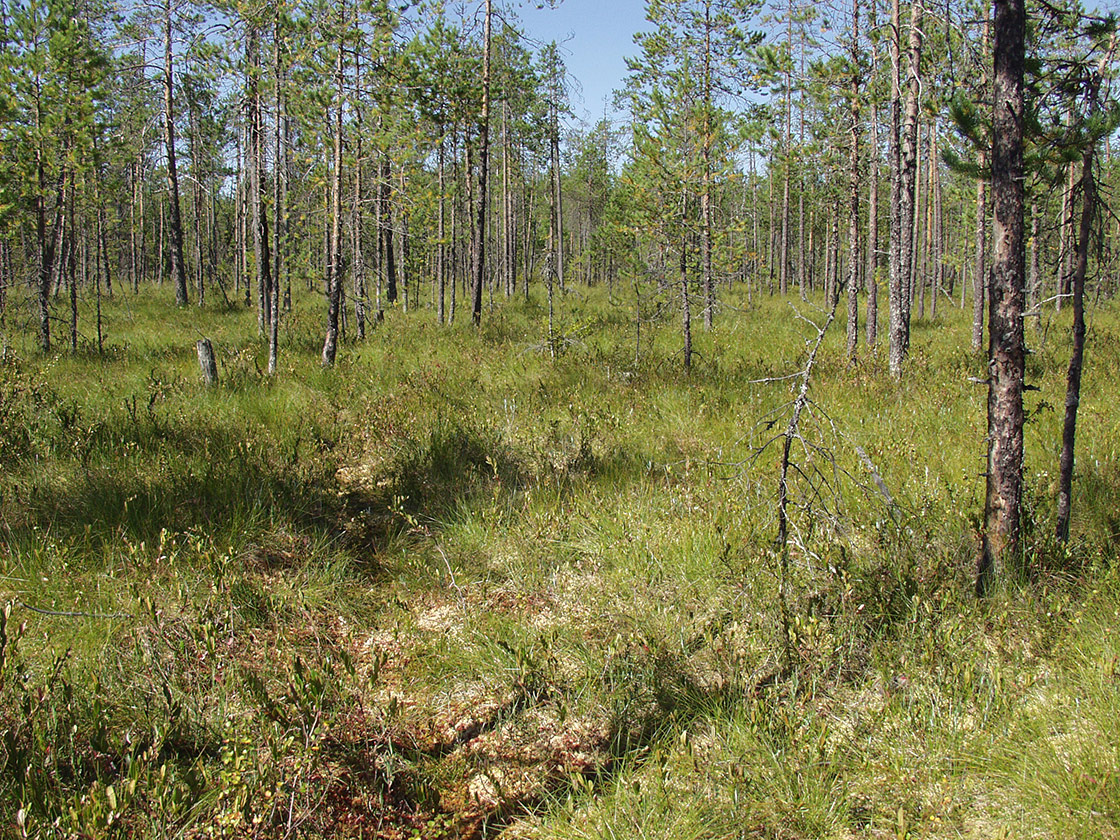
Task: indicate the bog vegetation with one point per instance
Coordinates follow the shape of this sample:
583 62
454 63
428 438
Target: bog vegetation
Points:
569 566
457 587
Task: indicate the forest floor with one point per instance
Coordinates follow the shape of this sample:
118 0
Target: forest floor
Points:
455 587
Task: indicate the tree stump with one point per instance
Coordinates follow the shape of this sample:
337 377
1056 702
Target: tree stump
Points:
206 361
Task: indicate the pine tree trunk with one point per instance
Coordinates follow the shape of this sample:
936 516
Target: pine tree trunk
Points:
1003 500
834 257
772 234
194 147
283 227
873 201
239 216
1077 289
1066 248
527 241
686 312
706 177
937 226
388 252
557 192
979 277
456 245
5 279
896 326
787 140
853 196
68 264
507 205
49 243
178 269
1034 305
922 233
357 221
441 245
278 178
261 256
334 278
478 267
133 247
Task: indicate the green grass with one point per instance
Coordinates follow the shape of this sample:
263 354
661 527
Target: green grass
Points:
454 587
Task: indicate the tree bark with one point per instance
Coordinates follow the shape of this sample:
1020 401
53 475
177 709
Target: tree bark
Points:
909 203
937 232
206 361
68 263
686 313
873 202
385 224
1034 306
133 247
334 273
979 277
278 177
478 254
1003 500
178 268
194 148
50 243
1077 290
853 195
357 221
261 258
558 218
441 245
894 293
1066 246
706 176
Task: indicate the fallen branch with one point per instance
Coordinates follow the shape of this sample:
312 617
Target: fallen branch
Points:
64 614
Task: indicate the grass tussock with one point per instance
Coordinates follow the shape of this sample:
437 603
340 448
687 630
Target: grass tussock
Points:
457 588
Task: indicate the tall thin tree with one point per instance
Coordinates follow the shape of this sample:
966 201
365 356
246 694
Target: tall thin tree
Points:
1000 536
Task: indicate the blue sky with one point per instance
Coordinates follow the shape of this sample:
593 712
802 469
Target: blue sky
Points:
596 37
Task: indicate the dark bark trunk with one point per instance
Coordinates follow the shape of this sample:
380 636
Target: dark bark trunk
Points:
706 179
194 148
558 192
937 233
1077 356
385 224
873 206
783 266
853 195
686 313
5 279
478 268
334 273
175 223
68 263
261 258
278 176
441 245
1000 546
49 243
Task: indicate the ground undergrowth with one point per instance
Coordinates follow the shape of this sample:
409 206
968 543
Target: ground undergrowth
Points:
457 588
